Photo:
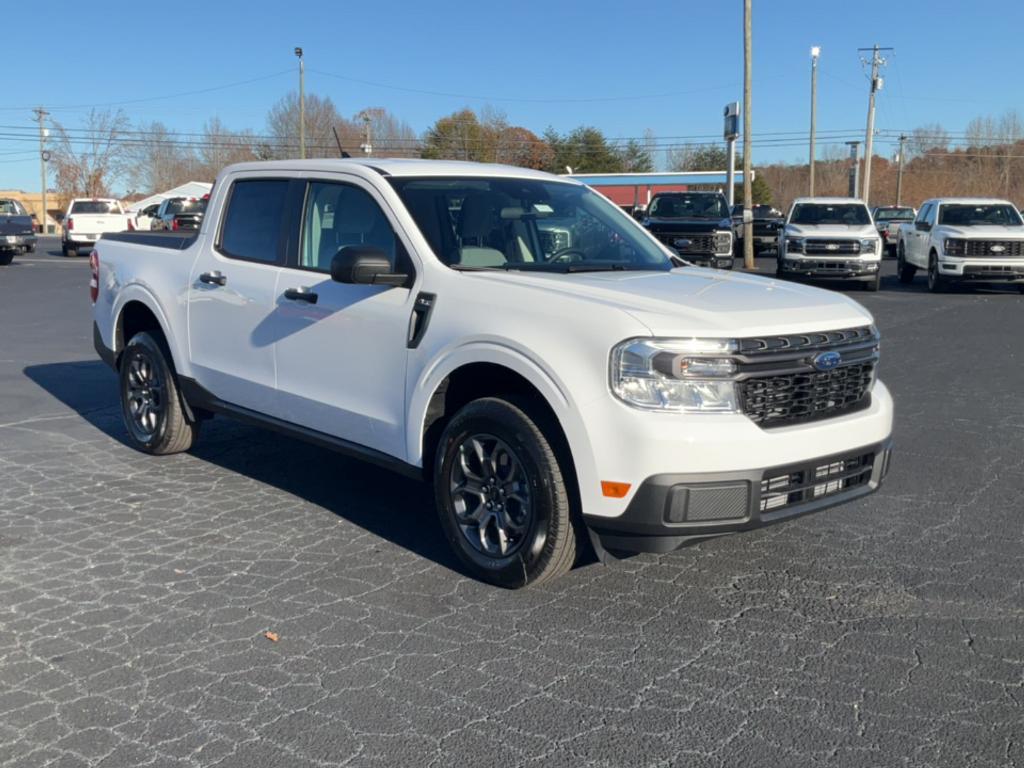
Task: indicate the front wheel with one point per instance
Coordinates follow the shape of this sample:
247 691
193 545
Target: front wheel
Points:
150 401
936 283
6 257
904 271
502 496
875 284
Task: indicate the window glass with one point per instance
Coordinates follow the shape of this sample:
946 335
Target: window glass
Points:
525 224
338 215
849 214
681 205
252 224
930 216
967 215
94 206
922 214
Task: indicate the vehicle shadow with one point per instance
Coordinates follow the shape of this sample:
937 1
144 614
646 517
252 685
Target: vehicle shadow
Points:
387 505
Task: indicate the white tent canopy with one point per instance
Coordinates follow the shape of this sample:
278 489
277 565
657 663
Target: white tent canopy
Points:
188 189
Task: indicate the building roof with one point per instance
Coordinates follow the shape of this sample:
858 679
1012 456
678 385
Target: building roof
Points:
656 179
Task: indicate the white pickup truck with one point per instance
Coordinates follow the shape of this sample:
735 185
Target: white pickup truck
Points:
413 314
87 220
962 240
830 238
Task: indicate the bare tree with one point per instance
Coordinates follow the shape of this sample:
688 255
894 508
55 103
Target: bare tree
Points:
87 160
321 118
157 159
221 147
391 136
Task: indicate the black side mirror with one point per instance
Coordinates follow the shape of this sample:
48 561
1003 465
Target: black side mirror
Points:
924 226
364 265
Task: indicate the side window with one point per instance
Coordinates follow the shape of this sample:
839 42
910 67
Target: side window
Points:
253 222
337 215
930 216
922 215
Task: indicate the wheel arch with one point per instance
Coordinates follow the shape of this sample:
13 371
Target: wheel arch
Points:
139 311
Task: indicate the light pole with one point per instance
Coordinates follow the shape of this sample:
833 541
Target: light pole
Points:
44 156
748 152
815 52
302 105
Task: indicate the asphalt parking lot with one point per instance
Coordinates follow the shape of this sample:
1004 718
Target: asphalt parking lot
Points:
135 591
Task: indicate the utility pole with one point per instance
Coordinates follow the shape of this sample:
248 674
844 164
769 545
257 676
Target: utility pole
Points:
876 85
367 145
302 105
855 167
731 131
815 52
41 115
748 193
899 171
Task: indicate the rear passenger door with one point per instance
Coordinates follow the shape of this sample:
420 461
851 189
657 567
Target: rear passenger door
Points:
231 295
341 349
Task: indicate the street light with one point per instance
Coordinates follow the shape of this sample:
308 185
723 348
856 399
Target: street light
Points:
815 52
302 105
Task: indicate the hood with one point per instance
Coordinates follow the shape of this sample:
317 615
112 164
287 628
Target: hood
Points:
689 224
831 230
987 232
693 301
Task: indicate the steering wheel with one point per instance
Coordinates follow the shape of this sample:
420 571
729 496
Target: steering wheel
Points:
568 255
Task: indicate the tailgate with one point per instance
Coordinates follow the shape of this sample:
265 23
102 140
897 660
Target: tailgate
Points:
92 225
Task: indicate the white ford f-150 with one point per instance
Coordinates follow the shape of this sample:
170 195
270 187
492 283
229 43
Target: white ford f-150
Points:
960 240
831 238
414 314
88 219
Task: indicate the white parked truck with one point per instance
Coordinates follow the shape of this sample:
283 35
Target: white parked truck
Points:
414 314
87 220
831 238
963 240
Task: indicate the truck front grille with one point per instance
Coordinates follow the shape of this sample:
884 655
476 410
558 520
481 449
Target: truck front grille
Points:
797 397
782 488
780 383
685 243
817 247
1003 248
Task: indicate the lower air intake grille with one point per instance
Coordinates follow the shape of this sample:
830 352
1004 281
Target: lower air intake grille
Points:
804 484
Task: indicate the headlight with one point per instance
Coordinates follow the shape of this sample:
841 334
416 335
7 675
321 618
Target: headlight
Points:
688 375
794 245
954 247
723 242
869 246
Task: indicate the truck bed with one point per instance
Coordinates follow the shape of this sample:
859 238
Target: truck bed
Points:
175 241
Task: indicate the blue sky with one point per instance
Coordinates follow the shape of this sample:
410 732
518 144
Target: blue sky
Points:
626 67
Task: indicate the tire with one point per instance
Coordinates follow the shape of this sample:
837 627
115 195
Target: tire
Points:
151 403
528 535
904 271
66 250
936 283
6 257
873 285
30 248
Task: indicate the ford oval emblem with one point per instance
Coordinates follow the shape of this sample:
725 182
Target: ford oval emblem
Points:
997 248
826 361
682 242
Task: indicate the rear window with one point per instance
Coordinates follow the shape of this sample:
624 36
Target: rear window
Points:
253 222
895 214
183 206
94 206
11 208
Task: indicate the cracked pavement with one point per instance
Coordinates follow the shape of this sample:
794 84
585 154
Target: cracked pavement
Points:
135 591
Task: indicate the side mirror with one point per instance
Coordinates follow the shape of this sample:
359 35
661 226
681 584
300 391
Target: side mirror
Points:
923 226
364 265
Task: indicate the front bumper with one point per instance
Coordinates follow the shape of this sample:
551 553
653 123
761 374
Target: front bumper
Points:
718 261
831 269
671 510
982 271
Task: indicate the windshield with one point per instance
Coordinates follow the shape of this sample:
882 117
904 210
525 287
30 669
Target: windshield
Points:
689 206
94 206
973 215
849 214
522 224
895 214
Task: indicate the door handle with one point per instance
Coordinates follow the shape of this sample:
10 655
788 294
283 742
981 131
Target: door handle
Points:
213 278
301 294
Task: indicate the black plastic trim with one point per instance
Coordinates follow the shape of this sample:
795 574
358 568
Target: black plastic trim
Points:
198 397
422 309
642 527
107 355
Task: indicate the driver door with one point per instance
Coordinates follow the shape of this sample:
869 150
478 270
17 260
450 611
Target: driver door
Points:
341 349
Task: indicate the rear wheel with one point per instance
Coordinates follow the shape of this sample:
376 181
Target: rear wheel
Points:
67 250
150 401
502 496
